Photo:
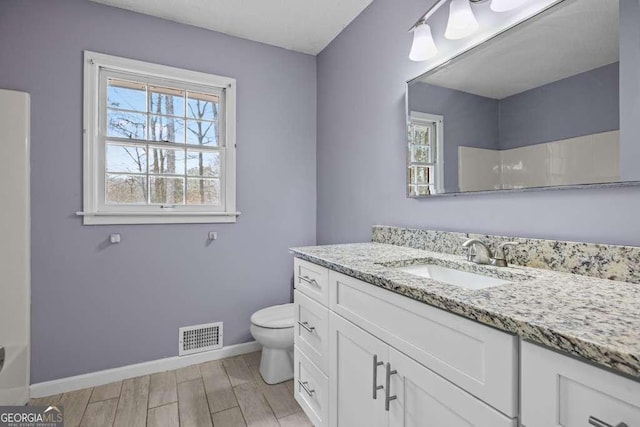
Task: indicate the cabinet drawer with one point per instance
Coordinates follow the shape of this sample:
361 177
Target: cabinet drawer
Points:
558 390
479 359
311 389
311 329
312 280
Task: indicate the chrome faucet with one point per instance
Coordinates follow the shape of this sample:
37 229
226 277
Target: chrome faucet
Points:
480 253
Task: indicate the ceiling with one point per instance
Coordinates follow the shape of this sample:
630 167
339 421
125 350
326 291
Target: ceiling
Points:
574 37
306 26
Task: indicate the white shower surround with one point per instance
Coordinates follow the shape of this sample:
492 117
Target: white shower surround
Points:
15 252
585 159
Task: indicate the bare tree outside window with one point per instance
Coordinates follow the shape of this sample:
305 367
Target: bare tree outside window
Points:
145 173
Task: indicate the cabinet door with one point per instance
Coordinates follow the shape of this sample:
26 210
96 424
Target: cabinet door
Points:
421 398
356 369
559 391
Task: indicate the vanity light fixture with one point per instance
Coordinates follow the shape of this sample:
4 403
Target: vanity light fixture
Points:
506 5
462 21
423 46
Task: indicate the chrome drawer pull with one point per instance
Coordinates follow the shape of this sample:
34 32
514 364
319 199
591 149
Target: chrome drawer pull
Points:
304 385
306 326
387 397
598 423
309 280
376 387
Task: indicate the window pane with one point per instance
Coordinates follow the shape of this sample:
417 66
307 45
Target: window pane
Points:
203 106
202 133
420 154
420 175
166 101
203 191
166 161
126 95
125 158
123 124
126 189
421 135
166 129
202 163
420 190
167 191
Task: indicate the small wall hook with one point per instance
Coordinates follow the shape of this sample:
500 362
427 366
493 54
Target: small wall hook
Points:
114 238
213 235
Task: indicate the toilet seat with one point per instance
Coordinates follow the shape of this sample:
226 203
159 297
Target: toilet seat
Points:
276 317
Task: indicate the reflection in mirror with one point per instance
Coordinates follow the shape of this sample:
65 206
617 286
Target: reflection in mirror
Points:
536 106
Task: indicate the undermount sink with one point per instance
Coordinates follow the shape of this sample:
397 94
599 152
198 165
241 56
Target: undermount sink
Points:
451 276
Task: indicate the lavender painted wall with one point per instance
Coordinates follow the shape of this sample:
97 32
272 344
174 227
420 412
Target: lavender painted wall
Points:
579 105
361 152
469 120
96 306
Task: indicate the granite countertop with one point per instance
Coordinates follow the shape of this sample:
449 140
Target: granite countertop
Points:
596 319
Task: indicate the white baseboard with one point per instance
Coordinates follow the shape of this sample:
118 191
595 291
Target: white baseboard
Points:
107 376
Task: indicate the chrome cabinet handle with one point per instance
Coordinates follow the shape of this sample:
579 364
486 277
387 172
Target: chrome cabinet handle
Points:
599 423
306 326
305 386
376 387
309 280
387 393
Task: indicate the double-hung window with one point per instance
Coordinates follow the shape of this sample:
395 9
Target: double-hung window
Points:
425 174
159 144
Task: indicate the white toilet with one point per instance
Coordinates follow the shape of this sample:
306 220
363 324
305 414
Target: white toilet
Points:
273 328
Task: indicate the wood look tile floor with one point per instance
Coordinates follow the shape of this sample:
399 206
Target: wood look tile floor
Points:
222 393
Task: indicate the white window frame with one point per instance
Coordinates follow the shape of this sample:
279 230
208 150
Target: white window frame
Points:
437 122
95 210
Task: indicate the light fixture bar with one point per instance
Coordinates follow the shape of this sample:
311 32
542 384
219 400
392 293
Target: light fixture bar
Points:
429 13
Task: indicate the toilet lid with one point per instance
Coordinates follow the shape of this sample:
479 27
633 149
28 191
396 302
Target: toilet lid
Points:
276 317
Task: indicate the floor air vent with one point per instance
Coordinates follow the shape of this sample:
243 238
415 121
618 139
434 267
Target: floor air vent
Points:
198 338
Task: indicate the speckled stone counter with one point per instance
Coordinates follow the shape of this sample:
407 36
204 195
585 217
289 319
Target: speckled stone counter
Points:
588 259
592 318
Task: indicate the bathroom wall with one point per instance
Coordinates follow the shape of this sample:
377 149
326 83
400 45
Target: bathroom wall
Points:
469 120
361 151
579 105
97 306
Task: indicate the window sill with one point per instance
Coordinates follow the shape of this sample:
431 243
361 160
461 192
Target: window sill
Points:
106 218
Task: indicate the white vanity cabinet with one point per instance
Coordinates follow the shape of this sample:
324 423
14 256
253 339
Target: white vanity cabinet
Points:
368 357
373 358
559 391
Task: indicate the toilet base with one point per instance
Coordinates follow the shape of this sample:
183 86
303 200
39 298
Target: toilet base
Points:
276 365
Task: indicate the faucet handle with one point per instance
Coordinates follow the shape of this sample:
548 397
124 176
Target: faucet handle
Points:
471 252
478 252
500 255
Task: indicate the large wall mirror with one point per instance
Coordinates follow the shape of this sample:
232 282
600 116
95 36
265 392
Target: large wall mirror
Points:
536 106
